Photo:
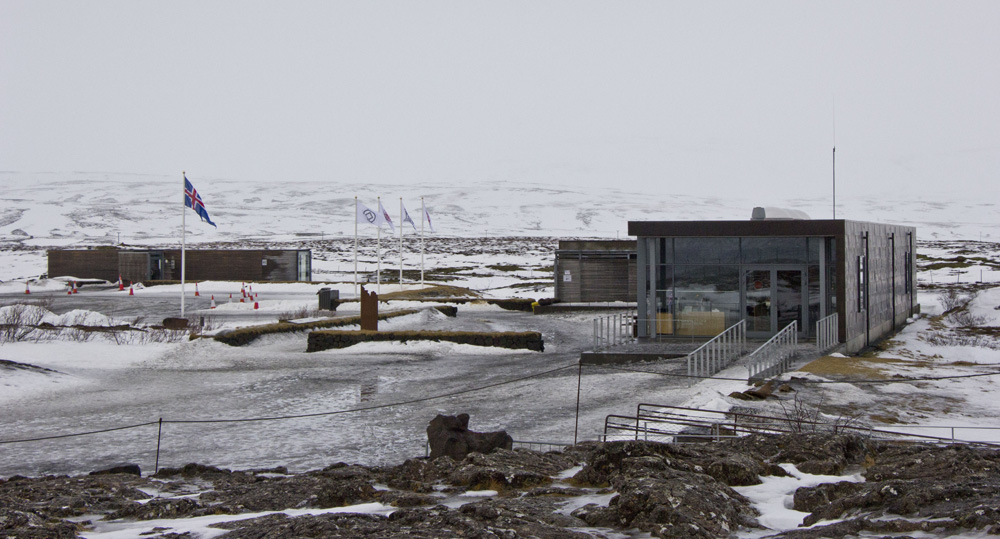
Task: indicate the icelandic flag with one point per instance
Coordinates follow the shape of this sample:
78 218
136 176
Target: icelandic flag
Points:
193 200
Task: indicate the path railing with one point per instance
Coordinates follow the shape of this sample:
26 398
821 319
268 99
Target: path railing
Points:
678 424
718 353
775 356
827 333
613 330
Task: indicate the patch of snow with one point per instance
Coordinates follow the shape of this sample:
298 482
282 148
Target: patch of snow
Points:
200 526
774 498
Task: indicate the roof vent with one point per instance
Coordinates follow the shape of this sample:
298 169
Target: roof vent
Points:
778 214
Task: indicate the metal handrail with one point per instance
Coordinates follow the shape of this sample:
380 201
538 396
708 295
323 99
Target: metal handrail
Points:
774 356
742 424
614 330
714 355
827 333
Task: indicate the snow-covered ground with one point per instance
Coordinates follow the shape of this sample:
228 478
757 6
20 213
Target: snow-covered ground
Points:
383 395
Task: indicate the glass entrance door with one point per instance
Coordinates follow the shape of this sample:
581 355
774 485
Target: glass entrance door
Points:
788 291
773 298
758 301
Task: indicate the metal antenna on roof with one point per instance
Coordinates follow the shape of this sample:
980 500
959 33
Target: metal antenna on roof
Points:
835 158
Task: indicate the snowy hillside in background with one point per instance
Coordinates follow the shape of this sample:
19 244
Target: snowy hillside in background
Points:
83 208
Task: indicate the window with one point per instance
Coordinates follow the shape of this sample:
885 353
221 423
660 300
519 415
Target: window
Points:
862 283
707 250
775 251
908 269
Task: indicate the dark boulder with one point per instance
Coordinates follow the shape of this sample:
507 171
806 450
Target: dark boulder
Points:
121 468
449 436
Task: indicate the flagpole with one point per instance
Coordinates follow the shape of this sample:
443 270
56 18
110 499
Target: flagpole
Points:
183 236
423 212
378 250
355 246
401 243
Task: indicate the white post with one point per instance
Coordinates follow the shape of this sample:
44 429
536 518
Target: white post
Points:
423 215
183 237
355 246
400 243
378 250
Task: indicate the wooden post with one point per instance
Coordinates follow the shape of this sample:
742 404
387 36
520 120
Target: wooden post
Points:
369 310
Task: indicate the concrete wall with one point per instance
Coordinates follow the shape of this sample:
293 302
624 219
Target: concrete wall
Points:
886 304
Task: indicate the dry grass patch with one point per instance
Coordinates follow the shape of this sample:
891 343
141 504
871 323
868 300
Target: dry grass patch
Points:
851 367
432 292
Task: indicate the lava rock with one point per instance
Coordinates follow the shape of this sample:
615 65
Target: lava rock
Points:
450 436
132 469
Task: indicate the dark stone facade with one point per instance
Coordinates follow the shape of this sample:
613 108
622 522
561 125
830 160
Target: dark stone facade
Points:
139 265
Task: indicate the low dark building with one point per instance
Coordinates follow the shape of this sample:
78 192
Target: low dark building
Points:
696 278
588 271
138 265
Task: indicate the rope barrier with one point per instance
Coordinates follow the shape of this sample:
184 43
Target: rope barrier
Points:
473 390
57 436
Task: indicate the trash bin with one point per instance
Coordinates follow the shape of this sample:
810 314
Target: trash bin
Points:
328 299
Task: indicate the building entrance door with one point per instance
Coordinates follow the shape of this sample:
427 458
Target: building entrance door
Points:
773 298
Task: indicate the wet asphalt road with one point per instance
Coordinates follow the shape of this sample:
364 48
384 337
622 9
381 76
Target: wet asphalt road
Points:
399 389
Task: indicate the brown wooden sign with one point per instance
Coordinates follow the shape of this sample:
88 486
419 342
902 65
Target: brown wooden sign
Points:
369 310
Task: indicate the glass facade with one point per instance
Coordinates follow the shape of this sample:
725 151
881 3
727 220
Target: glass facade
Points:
699 286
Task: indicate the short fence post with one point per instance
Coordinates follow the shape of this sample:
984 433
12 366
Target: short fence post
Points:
159 433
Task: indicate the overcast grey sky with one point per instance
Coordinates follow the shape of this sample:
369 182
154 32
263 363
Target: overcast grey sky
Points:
691 97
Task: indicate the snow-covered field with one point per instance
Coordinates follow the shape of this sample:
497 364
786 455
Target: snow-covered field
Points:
496 241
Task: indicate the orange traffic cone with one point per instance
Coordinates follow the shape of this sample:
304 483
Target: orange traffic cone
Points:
213 302
243 300
69 291
75 290
130 292
256 305
121 283
196 290
26 289
230 298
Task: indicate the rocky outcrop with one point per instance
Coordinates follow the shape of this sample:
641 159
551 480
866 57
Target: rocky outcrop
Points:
615 489
944 491
449 436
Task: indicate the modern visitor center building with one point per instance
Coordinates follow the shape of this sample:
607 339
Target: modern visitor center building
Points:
697 278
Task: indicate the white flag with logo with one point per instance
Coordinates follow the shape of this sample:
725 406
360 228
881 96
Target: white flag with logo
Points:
383 217
366 216
406 217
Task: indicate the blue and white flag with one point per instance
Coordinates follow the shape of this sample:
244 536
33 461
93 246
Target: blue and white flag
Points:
406 217
193 200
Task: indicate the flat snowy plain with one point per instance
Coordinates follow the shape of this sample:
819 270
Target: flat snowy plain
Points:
499 244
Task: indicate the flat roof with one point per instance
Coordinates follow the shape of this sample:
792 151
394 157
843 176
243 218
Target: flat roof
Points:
784 227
